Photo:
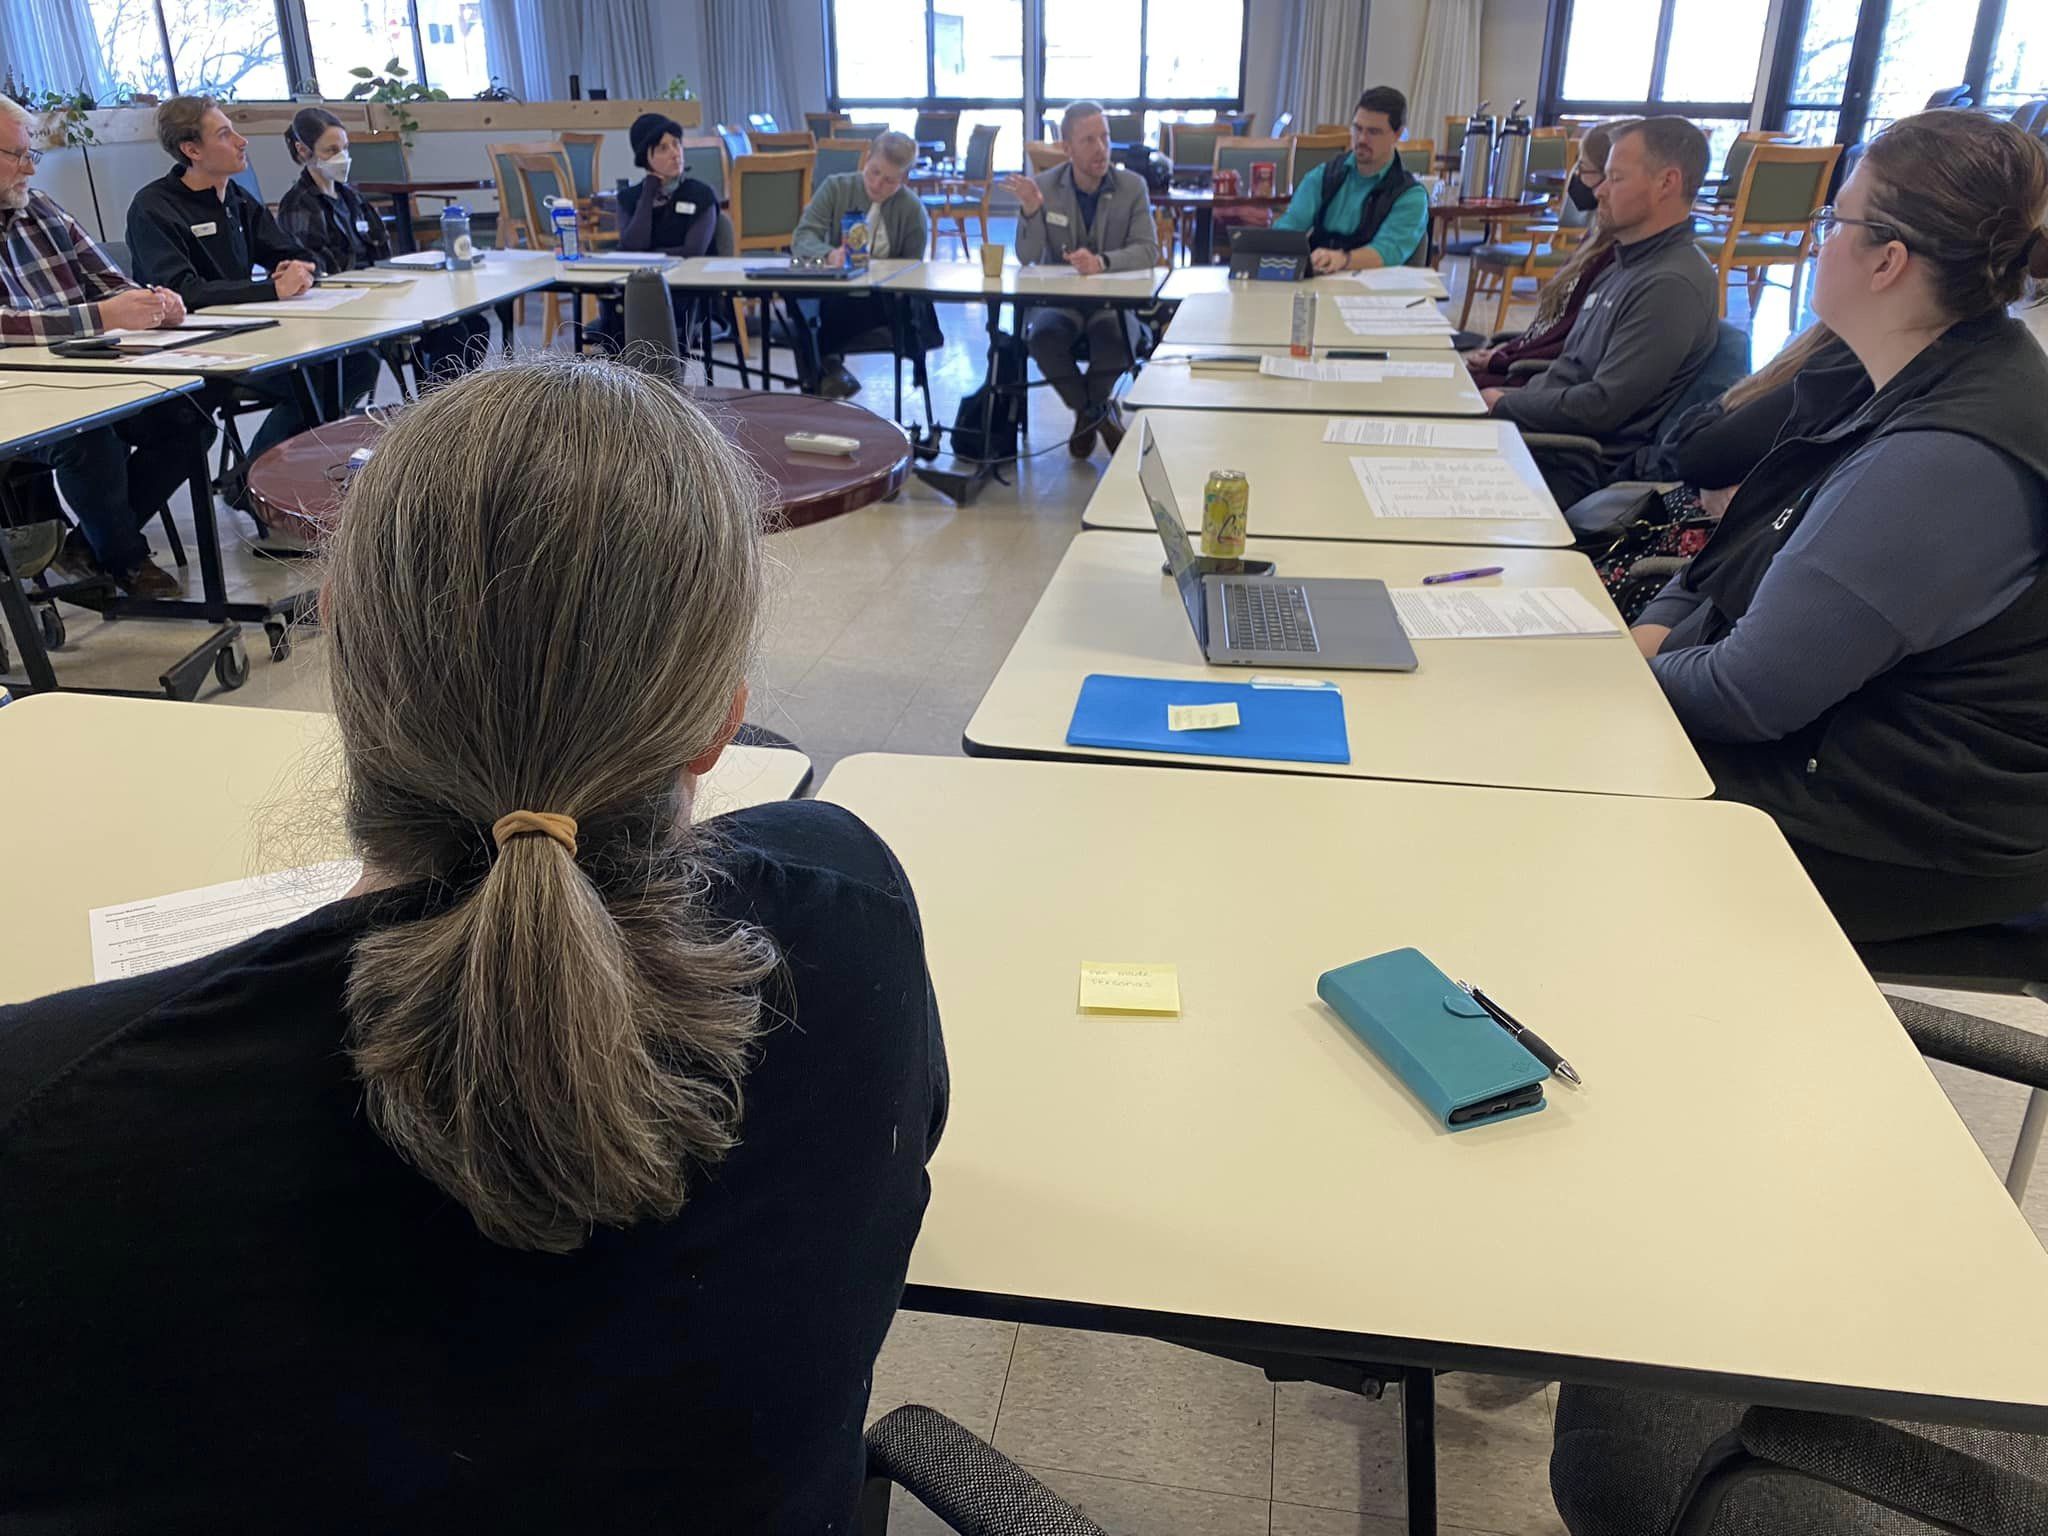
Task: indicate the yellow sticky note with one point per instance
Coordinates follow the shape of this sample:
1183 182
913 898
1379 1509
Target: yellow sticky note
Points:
1109 986
1200 717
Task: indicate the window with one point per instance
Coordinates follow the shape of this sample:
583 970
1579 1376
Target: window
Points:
227 48
1923 50
2019 62
1695 59
1155 59
358 34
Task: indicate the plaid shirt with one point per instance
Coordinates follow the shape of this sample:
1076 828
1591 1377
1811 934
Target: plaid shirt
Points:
52 275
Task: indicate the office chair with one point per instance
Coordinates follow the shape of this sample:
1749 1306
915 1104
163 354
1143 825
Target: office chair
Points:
973 1488
1626 1463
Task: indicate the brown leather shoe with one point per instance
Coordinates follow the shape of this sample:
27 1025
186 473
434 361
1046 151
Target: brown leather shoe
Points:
1111 428
150 580
1082 443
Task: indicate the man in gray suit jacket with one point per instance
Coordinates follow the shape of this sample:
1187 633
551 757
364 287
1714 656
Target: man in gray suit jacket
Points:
1094 217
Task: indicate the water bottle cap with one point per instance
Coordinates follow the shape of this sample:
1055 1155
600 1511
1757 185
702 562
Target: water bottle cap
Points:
455 211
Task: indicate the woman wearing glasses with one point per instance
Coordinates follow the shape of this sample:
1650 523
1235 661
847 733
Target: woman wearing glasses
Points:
1862 648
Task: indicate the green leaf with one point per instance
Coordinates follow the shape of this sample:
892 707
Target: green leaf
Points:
363 74
392 68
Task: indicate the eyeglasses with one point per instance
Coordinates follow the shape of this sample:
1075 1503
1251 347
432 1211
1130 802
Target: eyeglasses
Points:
28 157
1826 221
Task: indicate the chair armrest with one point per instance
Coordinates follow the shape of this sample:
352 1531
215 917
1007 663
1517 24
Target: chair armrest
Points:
973 1488
1658 567
1982 1045
1902 1469
1528 367
1561 443
1499 337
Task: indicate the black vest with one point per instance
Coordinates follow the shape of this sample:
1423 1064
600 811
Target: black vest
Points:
1941 762
1371 215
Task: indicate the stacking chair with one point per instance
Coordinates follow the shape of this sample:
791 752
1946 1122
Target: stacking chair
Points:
1282 124
1043 157
542 177
1419 157
837 156
861 130
965 197
515 229
1626 1462
2032 117
380 156
1719 191
937 135
1192 148
781 143
769 194
1312 149
584 151
706 158
1453 141
1129 127
1241 154
1240 122
737 141
762 122
826 125
1550 151
1950 96
1541 250
1769 222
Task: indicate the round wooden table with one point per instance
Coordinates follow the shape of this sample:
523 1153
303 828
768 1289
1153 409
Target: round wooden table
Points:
1488 212
295 488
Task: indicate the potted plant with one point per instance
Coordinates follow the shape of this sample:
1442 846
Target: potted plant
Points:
394 89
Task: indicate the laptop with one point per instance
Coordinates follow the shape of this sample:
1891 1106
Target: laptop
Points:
1273 621
1274 255
781 271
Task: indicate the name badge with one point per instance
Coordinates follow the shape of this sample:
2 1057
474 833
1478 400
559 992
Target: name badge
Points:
1057 220
205 229
362 226
683 207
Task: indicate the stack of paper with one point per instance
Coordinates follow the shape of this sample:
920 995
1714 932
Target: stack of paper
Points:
1379 432
1345 371
314 301
1466 487
1397 279
1389 314
142 936
1497 613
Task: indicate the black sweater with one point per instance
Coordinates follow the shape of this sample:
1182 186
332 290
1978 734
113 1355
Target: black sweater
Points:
201 246
343 231
683 223
226 1305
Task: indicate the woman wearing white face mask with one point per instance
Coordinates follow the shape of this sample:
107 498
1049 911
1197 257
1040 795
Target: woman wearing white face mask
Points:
337 224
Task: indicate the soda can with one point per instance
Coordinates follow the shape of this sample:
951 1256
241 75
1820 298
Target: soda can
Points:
1302 341
1226 513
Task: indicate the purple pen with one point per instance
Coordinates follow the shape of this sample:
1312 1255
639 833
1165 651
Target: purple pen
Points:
1482 570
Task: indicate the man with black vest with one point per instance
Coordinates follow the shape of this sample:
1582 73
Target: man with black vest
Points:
1363 210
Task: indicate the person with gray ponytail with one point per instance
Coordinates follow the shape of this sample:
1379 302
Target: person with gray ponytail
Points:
564 1174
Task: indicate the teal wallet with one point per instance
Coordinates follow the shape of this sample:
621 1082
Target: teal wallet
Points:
1465 1068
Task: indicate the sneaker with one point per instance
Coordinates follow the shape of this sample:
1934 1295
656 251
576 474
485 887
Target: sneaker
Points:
1082 443
1111 428
30 550
838 383
150 580
234 488
75 561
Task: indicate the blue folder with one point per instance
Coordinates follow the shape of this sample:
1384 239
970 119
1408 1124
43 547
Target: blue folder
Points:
1287 725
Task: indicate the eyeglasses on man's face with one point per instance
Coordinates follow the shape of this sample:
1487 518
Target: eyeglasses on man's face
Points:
28 157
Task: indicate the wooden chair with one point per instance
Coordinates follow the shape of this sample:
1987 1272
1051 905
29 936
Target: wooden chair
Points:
826 125
769 195
837 156
1192 148
762 122
1241 154
1769 223
1718 195
515 229
1551 152
1283 125
966 196
1312 149
1041 158
542 177
937 134
380 156
1344 128
861 130
1542 249
781 143
584 151
1419 157
1129 127
1453 140
705 157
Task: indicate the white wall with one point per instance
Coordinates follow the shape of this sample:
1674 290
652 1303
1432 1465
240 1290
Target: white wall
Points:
1511 52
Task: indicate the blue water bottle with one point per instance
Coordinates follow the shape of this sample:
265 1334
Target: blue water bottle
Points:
455 238
562 216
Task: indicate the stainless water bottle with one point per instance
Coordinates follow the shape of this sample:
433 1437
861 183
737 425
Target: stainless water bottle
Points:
1511 156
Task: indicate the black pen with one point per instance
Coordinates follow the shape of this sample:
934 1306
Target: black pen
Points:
1416 303
1354 352
1531 1041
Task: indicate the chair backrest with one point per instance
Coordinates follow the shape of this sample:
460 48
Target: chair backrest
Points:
1043 157
542 177
1281 124
736 142
1129 127
940 128
583 150
512 215
2032 117
378 157
1737 160
980 161
1240 155
825 125
1950 96
705 157
1725 365
245 178
1192 146
769 193
762 122
861 130
1453 140
1419 156
1550 150
837 156
1781 188
1312 149
781 143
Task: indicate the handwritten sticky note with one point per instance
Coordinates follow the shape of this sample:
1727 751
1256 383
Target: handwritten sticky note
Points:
1110 986
1200 717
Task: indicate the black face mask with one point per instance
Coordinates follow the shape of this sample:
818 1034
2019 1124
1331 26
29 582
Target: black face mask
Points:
1583 197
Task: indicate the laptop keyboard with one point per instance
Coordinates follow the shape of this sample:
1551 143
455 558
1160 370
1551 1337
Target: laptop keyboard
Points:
1267 618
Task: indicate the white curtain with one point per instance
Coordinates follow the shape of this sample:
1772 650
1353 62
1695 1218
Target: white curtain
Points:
517 51
1320 68
749 65
51 45
1447 78
618 50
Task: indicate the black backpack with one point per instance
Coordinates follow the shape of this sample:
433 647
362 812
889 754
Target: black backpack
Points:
989 431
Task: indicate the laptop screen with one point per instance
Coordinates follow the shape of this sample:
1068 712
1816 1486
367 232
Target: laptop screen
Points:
1173 533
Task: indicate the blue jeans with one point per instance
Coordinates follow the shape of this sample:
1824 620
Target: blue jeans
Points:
116 478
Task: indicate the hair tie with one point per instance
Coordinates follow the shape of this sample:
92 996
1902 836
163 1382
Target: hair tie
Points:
520 823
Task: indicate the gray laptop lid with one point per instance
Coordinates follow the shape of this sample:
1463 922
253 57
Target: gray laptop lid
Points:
1173 533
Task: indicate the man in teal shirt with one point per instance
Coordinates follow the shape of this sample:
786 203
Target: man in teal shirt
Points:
1363 210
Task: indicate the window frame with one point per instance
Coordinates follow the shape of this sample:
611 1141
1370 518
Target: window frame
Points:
1552 103
296 53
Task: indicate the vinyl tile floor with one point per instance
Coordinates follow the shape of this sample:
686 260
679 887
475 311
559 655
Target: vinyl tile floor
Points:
887 626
